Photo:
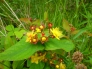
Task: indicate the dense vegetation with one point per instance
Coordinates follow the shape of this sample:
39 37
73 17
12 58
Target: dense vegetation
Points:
72 17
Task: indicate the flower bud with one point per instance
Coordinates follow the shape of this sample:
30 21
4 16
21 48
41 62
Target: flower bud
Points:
43 39
50 25
57 66
43 34
41 27
34 41
51 62
32 27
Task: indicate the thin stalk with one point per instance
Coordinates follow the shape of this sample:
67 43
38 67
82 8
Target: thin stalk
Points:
14 14
3 27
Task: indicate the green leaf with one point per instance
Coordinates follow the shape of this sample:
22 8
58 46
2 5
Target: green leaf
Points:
45 15
46 32
37 22
80 32
90 60
64 44
2 43
10 28
47 67
19 51
40 65
11 33
66 25
8 42
7 63
25 20
19 34
1 65
16 29
18 64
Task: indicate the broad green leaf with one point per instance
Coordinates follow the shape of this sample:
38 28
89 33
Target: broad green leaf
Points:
64 44
45 15
19 51
10 28
66 25
8 42
18 34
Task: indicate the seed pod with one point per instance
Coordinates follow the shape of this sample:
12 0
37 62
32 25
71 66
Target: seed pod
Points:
50 25
80 66
32 27
43 39
34 41
77 57
41 27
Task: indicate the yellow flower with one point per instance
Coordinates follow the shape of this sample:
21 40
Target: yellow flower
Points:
62 66
36 58
44 38
38 30
57 66
30 35
57 33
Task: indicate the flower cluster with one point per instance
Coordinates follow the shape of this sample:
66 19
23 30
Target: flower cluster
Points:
39 33
53 59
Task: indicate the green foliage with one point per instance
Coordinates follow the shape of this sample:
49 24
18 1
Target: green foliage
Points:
40 65
64 44
77 12
45 15
19 50
79 33
7 63
91 60
10 28
22 48
8 42
18 64
19 34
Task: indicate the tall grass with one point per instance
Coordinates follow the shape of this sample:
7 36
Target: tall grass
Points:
77 12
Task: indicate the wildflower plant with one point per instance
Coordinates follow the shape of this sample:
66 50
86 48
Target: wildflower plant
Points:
60 40
38 34
42 44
